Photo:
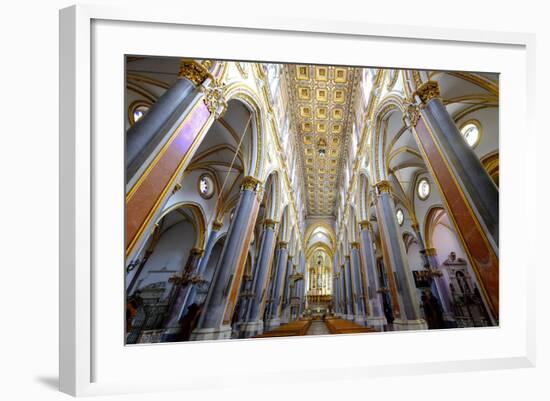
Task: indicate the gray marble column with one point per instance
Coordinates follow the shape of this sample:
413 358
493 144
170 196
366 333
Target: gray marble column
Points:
179 293
214 322
274 319
149 131
359 316
302 284
408 314
440 286
346 267
194 292
375 318
255 324
477 184
285 300
343 298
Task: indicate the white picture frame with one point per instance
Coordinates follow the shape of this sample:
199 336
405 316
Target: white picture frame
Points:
90 361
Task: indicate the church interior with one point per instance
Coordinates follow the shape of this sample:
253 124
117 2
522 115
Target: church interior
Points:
274 200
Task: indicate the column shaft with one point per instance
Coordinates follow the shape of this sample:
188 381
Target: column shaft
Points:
222 294
376 312
395 257
469 193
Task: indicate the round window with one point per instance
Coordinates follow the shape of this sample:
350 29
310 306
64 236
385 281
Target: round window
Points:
471 131
400 216
206 186
423 188
137 110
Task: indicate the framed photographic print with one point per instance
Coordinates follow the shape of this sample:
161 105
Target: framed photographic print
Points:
311 186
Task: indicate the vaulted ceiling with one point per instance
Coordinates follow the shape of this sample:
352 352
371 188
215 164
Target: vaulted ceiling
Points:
321 99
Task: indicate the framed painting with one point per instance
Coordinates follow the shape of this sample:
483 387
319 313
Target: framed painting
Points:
314 186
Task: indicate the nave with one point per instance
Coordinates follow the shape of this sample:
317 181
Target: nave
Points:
269 200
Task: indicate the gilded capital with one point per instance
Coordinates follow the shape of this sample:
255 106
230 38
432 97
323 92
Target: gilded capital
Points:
197 251
428 91
383 186
347 257
217 225
355 245
365 225
269 223
250 183
431 252
282 244
194 71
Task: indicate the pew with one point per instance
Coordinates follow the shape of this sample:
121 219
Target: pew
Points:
341 326
295 328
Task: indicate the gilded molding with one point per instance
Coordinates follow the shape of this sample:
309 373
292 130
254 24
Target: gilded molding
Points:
428 91
214 100
283 244
195 72
355 245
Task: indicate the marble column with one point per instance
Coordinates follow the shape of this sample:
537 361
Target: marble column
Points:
343 298
395 259
301 288
346 267
335 294
358 291
286 299
470 195
255 323
149 131
215 320
195 293
179 293
274 319
438 287
441 285
375 317
156 165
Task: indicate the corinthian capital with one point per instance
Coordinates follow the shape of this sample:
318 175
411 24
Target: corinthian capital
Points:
194 71
428 91
250 183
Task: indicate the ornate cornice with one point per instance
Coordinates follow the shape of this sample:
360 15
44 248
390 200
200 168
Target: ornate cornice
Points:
428 91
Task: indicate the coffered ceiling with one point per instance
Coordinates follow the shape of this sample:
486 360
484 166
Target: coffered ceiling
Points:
321 100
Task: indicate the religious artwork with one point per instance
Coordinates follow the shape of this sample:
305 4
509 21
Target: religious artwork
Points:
269 200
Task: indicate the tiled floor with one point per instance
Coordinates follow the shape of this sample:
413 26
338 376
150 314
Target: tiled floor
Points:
318 327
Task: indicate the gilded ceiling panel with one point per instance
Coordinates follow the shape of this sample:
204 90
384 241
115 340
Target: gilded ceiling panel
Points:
321 99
